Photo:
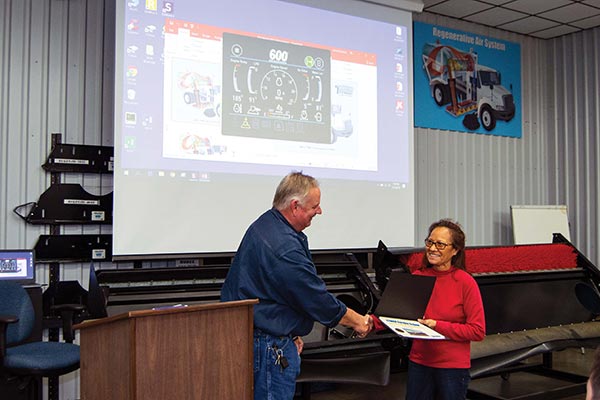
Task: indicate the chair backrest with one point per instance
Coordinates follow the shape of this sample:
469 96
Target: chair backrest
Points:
14 300
63 292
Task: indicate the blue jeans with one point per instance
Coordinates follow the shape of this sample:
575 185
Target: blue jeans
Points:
271 381
428 383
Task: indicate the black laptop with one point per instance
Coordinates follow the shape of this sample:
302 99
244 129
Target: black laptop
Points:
405 295
403 301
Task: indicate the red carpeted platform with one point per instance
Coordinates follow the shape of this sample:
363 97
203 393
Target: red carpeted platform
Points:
537 257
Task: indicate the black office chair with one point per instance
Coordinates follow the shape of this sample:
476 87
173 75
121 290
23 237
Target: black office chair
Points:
29 361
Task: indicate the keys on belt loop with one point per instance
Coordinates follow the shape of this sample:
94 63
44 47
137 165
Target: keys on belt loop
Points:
280 358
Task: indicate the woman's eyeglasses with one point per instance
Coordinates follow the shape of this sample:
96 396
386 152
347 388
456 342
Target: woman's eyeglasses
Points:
438 245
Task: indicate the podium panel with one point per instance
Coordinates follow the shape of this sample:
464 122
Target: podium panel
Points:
196 352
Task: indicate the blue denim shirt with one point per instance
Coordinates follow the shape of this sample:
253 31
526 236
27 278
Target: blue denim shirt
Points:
273 264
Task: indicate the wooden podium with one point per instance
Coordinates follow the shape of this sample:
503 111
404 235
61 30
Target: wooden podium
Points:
197 352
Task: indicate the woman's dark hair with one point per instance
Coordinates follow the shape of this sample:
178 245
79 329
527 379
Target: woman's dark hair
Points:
458 242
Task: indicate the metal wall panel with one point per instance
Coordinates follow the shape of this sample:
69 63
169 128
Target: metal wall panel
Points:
56 76
573 116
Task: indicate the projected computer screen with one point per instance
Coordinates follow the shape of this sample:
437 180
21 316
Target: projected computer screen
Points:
216 101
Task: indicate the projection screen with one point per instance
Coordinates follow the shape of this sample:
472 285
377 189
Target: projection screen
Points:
216 101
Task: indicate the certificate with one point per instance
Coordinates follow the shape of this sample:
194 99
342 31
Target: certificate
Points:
409 328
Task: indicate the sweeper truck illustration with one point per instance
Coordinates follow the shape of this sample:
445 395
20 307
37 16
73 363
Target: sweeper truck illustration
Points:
467 88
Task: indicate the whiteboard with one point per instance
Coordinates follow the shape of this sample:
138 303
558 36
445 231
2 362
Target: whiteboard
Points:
536 224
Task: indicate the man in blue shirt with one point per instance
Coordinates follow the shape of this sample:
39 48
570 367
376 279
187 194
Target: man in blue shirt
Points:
273 264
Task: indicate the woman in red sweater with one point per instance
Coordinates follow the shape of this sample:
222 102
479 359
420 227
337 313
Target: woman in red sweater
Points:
439 369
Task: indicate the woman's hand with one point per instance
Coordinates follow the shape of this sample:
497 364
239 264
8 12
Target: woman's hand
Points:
431 323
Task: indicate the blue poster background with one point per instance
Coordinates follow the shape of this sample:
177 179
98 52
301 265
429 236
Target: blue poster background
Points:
486 105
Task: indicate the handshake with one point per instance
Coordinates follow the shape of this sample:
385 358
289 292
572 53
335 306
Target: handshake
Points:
364 327
361 324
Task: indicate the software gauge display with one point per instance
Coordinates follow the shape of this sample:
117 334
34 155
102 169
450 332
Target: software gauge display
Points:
276 90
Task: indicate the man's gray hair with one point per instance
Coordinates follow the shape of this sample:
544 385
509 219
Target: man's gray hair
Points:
294 186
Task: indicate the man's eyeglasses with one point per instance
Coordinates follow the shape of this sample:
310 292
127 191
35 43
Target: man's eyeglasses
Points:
438 245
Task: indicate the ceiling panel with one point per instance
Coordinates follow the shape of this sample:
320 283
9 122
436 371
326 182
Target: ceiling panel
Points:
536 6
587 23
496 16
459 8
528 25
560 30
570 13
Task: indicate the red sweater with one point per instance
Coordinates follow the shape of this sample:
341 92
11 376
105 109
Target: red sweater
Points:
456 305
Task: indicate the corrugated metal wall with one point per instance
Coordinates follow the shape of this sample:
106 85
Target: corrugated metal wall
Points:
55 76
573 131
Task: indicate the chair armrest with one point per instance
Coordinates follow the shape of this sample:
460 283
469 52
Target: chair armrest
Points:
8 319
67 313
4 321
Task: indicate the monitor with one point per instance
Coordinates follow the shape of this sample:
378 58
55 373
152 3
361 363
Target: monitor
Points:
17 265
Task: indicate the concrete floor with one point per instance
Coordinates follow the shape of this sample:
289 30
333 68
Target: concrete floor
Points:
576 361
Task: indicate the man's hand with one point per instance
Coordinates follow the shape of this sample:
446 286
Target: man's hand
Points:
362 324
299 344
367 326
